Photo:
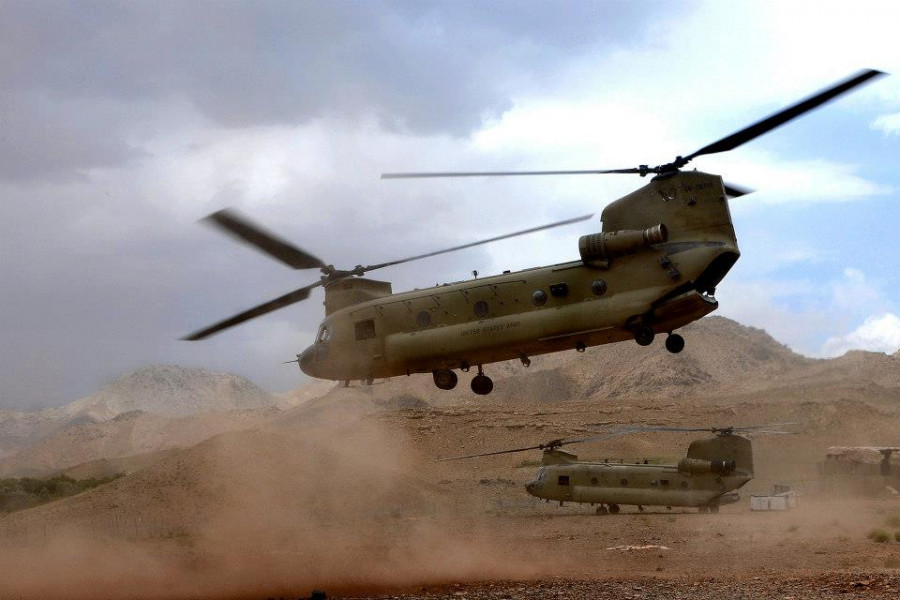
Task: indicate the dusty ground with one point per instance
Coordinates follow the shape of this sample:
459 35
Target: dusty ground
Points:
344 493
825 586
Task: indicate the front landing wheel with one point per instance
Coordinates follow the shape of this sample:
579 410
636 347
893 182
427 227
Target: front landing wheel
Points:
445 379
644 336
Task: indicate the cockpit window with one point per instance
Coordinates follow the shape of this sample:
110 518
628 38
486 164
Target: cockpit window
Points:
324 333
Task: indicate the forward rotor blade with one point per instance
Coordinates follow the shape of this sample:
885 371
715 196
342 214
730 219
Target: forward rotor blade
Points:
551 444
241 228
780 118
538 447
599 436
469 245
280 302
503 173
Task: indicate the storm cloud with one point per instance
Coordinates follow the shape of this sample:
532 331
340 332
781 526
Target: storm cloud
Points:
125 122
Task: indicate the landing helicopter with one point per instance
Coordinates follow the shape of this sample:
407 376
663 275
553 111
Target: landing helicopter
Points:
705 479
652 269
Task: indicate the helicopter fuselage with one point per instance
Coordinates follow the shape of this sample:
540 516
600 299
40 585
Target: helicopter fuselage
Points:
653 269
637 484
713 468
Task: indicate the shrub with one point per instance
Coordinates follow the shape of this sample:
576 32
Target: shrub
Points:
893 521
19 494
879 535
897 536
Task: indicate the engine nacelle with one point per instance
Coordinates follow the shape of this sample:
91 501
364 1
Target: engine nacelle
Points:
699 466
597 249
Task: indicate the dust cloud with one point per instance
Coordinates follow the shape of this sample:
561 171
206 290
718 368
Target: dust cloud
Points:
326 498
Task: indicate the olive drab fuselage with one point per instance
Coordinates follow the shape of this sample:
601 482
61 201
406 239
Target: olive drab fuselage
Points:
713 468
605 297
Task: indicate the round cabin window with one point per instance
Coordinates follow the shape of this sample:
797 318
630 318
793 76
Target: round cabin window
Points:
480 308
539 298
624 483
593 481
423 319
598 287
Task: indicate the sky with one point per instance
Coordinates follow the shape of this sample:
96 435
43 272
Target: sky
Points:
124 123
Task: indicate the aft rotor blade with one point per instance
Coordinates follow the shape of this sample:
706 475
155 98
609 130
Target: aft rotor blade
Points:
736 191
503 173
280 302
750 427
780 118
241 228
471 244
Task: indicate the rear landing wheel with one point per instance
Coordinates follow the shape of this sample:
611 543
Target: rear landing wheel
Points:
674 343
713 508
644 336
601 510
482 385
614 509
445 379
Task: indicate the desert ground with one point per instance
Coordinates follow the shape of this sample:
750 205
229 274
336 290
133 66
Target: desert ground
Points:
231 493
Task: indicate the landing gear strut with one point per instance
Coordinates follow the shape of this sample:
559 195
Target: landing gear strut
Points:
481 383
445 379
674 343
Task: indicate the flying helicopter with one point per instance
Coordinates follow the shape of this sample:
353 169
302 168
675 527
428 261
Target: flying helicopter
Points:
705 479
652 269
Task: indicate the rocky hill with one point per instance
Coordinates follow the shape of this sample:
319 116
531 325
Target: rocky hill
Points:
170 391
719 354
162 390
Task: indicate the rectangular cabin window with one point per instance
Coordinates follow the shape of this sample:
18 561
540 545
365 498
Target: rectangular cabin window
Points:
365 330
664 482
563 480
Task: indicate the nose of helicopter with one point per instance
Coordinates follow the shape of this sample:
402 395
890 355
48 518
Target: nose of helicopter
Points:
532 488
305 360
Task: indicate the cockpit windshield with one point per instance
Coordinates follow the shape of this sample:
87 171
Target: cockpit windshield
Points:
325 333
